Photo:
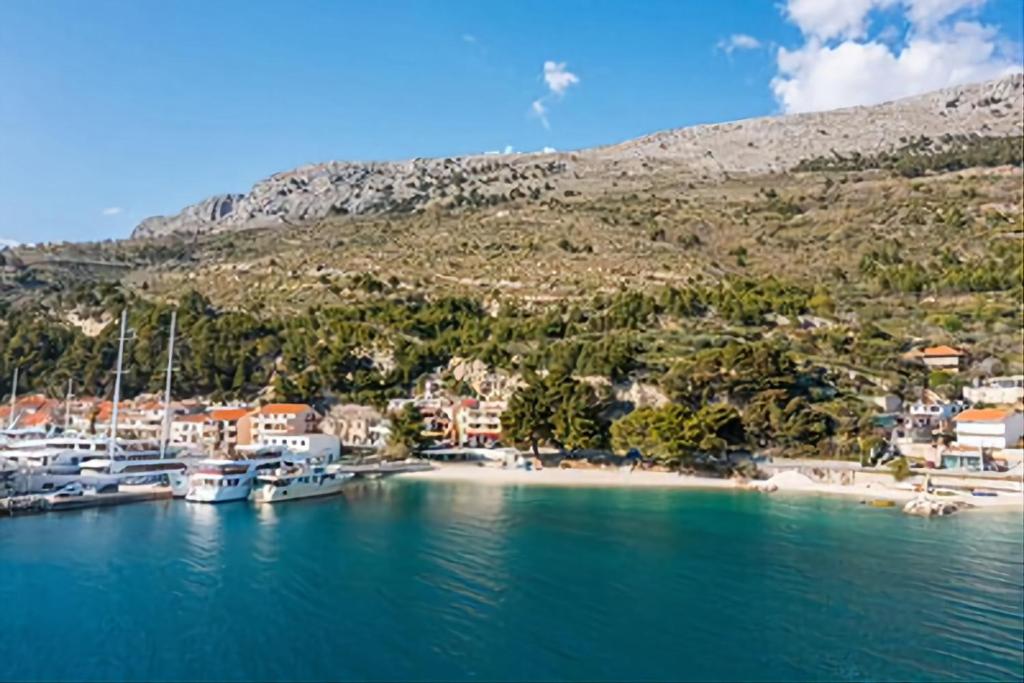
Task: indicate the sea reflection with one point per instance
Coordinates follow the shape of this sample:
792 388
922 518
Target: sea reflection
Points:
401 580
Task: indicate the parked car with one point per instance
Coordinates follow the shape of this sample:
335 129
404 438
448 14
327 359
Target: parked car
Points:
68 491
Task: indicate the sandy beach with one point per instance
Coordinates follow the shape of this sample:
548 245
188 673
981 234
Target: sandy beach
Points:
592 478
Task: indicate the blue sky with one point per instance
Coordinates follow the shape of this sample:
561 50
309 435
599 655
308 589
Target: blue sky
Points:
114 111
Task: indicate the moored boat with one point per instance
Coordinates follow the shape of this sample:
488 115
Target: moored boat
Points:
221 480
294 481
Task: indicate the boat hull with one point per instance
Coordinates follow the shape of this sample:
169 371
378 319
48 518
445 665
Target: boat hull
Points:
268 493
225 494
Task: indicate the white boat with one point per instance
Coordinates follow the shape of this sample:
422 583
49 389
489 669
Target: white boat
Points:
138 459
10 438
46 459
293 481
179 483
55 455
220 480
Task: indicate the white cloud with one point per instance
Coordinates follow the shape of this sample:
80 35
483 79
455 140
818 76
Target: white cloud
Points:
825 19
838 66
558 78
549 150
469 38
111 211
738 41
927 13
4 243
538 109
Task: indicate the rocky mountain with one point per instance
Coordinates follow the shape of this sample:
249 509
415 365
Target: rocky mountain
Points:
707 153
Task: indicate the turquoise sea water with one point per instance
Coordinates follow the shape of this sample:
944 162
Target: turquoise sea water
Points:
413 580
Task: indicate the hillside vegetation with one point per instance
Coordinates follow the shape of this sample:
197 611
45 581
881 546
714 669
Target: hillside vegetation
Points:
760 306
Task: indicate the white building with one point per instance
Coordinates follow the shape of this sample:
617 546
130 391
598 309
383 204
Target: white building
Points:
925 418
193 430
989 428
326 446
277 419
479 422
997 390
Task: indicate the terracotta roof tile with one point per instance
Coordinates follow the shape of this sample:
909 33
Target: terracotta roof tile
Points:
983 415
942 351
229 414
284 408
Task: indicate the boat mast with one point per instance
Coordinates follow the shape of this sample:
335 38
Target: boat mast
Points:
166 428
117 383
14 399
67 406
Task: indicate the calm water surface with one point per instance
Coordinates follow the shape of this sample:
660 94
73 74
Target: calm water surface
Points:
410 580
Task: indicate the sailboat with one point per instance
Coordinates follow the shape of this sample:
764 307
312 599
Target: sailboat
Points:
139 458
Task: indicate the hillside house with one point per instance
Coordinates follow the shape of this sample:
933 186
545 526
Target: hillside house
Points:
989 428
944 358
275 419
226 427
198 431
925 419
1005 391
478 423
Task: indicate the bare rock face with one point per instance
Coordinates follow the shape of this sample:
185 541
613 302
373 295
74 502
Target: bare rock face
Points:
754 146
776 144
192 219
310 193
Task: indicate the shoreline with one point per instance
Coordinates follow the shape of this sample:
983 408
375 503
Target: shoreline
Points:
609 478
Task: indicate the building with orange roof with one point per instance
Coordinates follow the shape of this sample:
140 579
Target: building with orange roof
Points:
227 424
276 419
943 358
34 411
995 428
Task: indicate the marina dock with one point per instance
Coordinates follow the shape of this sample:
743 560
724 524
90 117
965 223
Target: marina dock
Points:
379 469
34 504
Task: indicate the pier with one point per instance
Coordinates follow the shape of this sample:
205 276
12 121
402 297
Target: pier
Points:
34 504
380 469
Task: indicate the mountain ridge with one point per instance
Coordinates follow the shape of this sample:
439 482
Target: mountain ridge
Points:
703 153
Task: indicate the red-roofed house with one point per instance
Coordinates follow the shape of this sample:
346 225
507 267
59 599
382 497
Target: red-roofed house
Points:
32 411
277 419
943 358
198 430
989 428
227 424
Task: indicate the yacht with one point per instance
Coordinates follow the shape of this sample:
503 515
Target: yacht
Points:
55 455
292 481
10 438
220 480
138 458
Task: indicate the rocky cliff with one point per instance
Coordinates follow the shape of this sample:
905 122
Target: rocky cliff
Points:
702 153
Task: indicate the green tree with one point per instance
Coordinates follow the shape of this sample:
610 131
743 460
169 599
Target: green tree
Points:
406 435
529 416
